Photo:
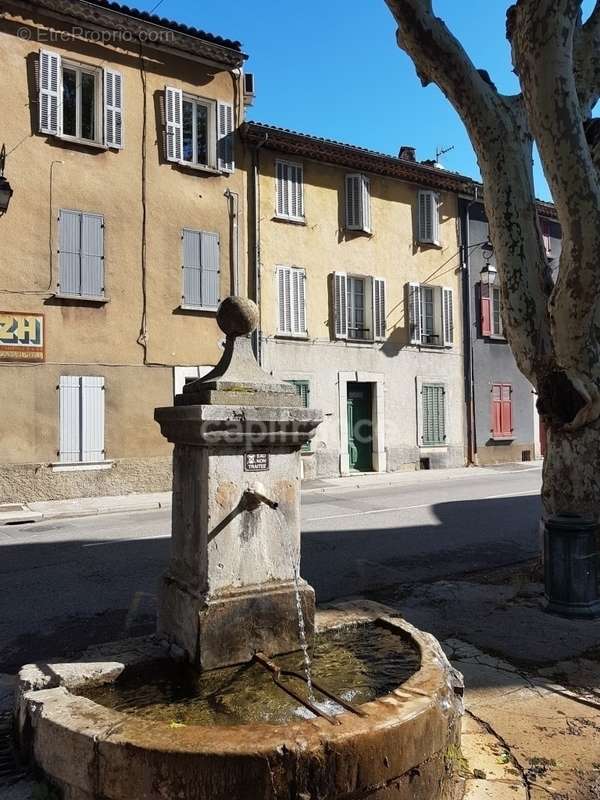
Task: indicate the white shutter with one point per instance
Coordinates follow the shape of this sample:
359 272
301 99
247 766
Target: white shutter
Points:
192 268
290 190
69 252
353 202
92 255
429 217
49 94
414 312
296 191
174 114
225 144
447 317
298 322
113 108
340 302
69 418
366 204
209 255
379 308
92 419
284 294
283 205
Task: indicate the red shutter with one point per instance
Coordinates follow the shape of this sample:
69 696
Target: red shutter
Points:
506 401
486 310
496 410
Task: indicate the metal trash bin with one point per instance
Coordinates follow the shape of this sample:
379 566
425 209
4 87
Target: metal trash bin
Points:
572 566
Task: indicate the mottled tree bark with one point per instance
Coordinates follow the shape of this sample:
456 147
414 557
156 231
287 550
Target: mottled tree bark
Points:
554 330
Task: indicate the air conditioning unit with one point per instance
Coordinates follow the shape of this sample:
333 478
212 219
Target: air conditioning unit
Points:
249 92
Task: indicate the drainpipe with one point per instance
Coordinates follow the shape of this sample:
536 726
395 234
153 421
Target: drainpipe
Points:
468 335
258 346
233 203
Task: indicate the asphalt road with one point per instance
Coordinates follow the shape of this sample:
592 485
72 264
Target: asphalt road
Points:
70 583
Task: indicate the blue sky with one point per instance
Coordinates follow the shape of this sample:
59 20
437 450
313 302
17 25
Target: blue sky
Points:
332 68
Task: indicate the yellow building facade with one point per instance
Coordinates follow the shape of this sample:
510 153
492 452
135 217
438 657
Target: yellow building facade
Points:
125 229
355 262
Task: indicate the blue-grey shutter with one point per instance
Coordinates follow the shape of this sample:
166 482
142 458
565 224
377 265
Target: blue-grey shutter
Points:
69 254
379 308
49 92
434 414
447 317
92 255
69 418
282 188
113 108
210 283
353 202
340 302
225 142
192 268
414 312
295 172
92 419
429 217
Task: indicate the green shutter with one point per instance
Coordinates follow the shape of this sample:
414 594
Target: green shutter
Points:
303 389
434 414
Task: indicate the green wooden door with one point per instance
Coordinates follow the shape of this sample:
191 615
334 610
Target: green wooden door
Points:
360 427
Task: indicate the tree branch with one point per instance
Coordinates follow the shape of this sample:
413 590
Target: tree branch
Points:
543 41
586 57
498 129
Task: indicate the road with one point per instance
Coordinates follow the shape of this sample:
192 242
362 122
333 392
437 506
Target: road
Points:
70 583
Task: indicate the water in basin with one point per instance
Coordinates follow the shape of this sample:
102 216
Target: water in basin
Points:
357 663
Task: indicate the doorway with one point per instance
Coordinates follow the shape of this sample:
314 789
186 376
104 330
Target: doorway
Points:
360 426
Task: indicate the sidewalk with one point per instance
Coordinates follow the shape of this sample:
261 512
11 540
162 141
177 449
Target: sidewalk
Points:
14 513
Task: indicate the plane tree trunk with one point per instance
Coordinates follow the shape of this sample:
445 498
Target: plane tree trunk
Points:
552 328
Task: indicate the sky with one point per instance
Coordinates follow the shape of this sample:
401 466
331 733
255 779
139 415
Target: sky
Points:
332 68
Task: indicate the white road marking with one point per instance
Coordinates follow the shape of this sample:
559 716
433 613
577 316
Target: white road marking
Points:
410 508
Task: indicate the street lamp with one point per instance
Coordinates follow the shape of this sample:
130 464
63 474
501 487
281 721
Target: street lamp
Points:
5 187
488 271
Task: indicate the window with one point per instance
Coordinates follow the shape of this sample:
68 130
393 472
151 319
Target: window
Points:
431 315
433 397
201 273
303 389
289 189
358 203
501 411
80 102
291 294
199 132
428 228
81 412
81 254
359 307
491 311
546 236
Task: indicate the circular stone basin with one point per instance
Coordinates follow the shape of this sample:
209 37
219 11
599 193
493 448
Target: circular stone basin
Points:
173 737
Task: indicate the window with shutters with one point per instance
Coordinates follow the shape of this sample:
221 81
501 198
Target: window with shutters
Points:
80 102
433 410
491 311
359 307
358 203
289 190
303 389
199 131
80 255
201 271
502 426
430 315
428 218
81 419
291 301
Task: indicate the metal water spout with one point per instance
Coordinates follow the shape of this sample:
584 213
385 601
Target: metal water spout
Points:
253 497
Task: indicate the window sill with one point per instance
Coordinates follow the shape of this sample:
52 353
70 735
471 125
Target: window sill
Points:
433 348
496 337
436 245
499 438
84 298
433 446
84 142
80 466
200 168
205 309
303 337
291 220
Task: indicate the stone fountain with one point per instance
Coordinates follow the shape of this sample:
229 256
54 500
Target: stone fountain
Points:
231 603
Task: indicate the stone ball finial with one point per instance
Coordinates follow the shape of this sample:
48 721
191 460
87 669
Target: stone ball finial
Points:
237 316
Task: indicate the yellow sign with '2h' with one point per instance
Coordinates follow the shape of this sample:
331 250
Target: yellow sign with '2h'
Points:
21 336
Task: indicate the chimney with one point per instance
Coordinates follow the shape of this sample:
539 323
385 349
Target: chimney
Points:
407 153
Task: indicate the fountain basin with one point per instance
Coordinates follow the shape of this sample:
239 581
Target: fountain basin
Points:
398 750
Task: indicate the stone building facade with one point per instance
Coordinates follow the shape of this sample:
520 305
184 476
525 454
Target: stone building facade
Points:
355 263
125 229
502 420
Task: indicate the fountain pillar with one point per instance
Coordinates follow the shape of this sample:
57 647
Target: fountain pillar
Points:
232 585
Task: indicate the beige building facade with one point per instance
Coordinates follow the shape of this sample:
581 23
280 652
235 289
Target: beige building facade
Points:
125 229
356 264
